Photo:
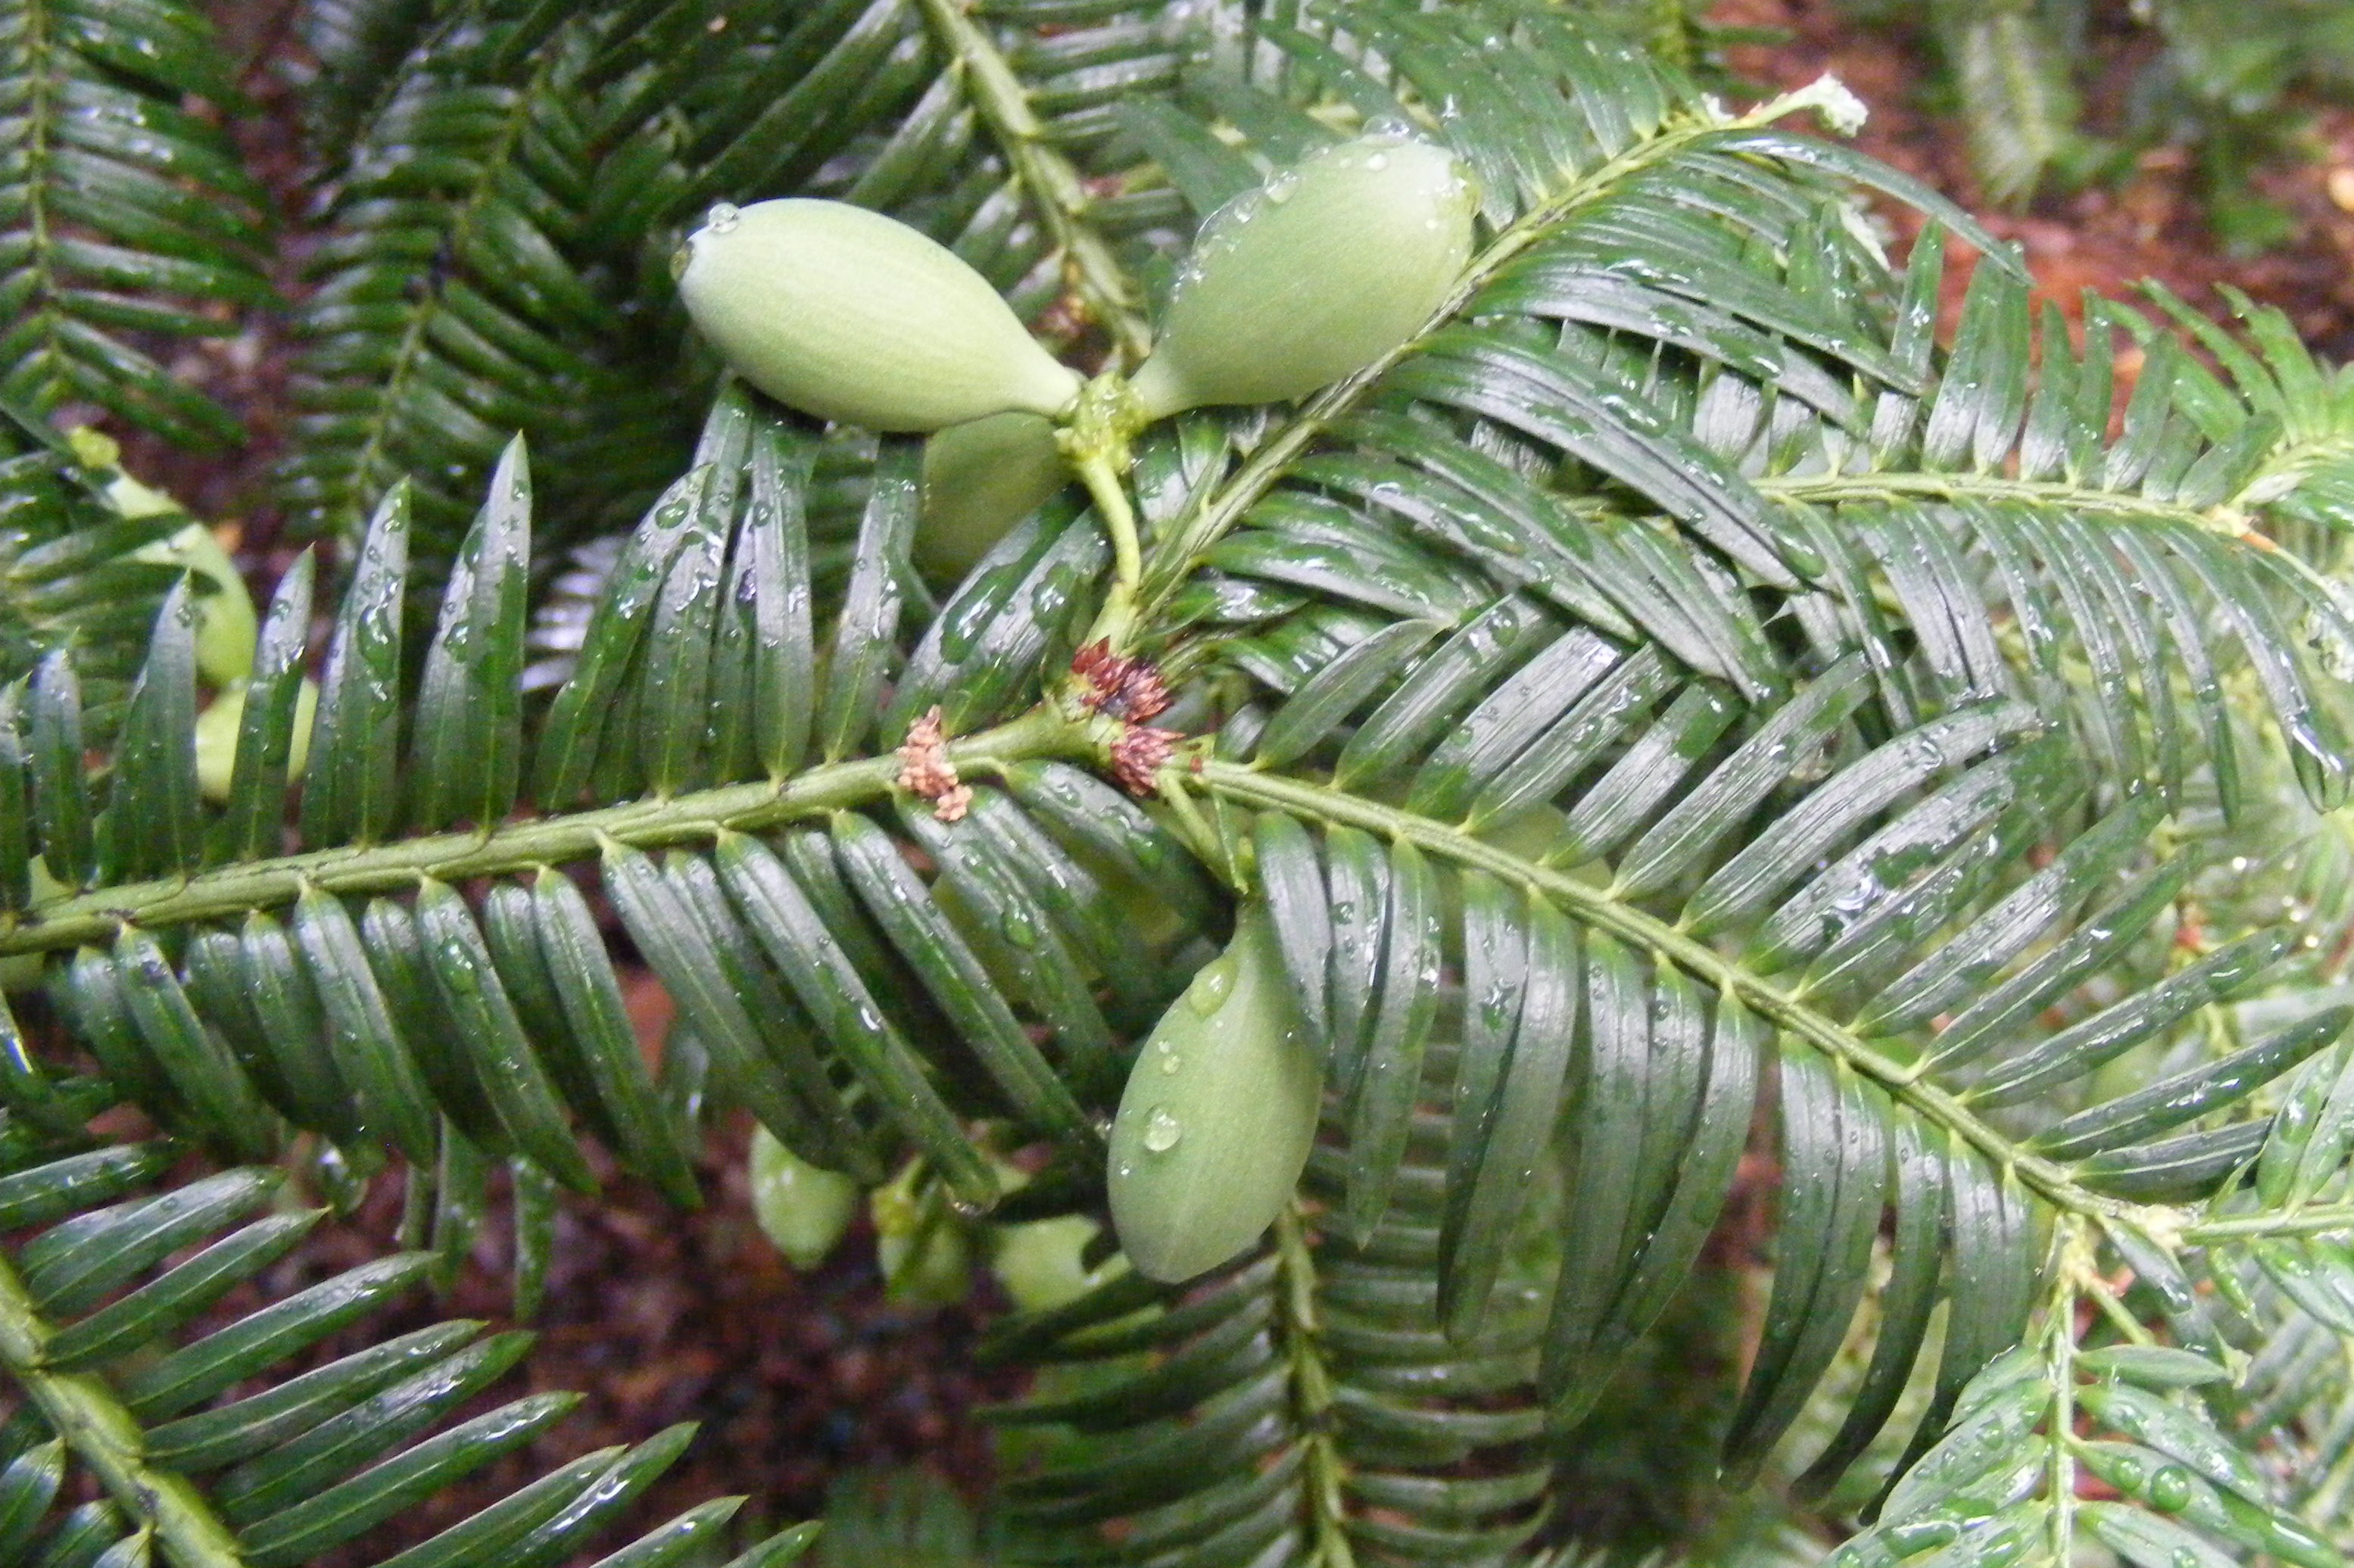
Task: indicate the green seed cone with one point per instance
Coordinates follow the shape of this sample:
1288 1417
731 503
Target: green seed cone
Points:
1312 277
850 315
1218 1116
980 479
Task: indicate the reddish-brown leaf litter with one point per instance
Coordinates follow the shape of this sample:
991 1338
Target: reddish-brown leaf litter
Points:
2104 238
660 1317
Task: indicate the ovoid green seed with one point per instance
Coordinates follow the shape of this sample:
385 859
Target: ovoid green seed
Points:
1218 1116
980 478
850 315
227 630
216 731
924 1247
803 1208
1042 1263
1313 276
226 627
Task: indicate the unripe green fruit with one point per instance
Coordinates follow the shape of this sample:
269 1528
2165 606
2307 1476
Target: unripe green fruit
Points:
980 478
1218 1116
225 629
24 971
1530 832
1314 276
1042 1262
216 729
925 1248
850 315
803 1208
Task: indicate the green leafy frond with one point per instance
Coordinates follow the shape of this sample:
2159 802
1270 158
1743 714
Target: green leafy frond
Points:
2093 1432
95 1334
1306 1406
1668 689
1573 1000
357 44
119 211
391 1011
75 573
1874 892
2227 80
2012 68
994 129
2000 509
1964 525
458 299
1386 656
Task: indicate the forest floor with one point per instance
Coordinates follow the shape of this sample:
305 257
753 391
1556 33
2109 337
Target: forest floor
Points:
2152 226
660 1317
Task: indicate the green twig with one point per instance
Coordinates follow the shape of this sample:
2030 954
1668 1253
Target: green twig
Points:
2129 1328
1096 442
1595 907
1111 496
1312 1392
1830 489
2075 1268
2312 1220
698 817
103 1435
1056 187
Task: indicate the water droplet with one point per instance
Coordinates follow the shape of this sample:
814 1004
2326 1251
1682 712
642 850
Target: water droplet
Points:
1169 1060
722 218
1161 1131
2169 1490
1378 162
1212 986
